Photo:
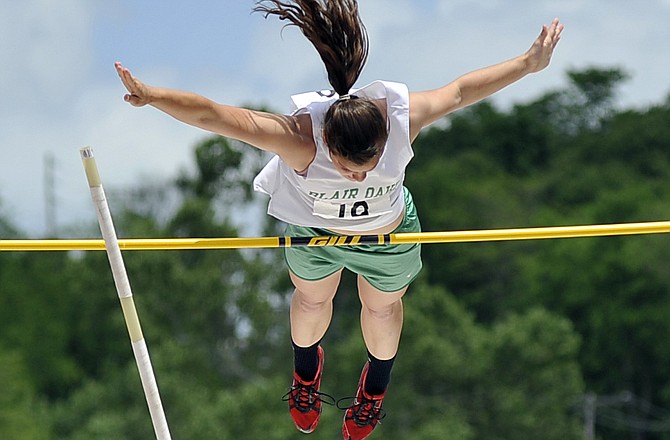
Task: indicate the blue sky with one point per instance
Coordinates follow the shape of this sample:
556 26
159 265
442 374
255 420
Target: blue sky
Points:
59 91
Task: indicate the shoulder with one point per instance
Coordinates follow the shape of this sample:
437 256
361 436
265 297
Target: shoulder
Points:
300 152
428 106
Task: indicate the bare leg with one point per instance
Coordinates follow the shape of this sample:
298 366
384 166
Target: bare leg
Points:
312 308
381 319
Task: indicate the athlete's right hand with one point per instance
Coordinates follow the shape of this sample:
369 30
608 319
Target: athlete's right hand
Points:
138 93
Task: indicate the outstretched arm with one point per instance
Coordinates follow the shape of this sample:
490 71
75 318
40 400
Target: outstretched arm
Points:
429 106
287 136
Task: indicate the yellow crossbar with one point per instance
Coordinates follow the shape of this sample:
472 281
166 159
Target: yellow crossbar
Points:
349 240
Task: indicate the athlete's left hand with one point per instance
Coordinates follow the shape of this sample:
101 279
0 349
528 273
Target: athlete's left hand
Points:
539 54
139 94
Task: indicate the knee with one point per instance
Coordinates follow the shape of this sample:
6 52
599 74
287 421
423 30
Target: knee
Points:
307 303
384 312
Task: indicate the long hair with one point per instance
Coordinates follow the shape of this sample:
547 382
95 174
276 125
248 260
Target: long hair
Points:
353 128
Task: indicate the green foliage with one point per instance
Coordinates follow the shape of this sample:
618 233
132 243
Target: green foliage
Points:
535 378
597 85
223 171
22 415
36 307
515 379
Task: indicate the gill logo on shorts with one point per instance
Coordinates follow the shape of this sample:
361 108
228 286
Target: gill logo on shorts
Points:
335 241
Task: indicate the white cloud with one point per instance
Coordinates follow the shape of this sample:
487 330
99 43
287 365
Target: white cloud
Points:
44 46
52 105
44 50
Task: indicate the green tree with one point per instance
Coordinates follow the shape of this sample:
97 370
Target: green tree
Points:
516 379
37 310
22 413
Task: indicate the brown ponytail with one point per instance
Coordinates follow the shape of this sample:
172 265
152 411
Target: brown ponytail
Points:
353 128
336 31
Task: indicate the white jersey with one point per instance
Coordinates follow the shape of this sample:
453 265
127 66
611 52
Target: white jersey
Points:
321 197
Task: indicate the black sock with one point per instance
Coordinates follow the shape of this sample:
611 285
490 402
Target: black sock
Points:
379 375
306 361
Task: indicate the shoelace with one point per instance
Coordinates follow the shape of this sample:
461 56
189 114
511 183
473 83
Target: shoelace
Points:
364 412
306 397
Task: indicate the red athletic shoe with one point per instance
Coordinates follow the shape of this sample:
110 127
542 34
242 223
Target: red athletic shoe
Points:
361 418
304 400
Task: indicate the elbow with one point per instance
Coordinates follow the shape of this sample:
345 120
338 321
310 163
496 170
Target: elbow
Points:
211 117
458 100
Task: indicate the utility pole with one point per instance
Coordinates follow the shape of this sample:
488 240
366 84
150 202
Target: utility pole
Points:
590 401
50 194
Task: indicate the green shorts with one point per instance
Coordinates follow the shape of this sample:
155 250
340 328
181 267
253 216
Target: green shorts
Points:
388 268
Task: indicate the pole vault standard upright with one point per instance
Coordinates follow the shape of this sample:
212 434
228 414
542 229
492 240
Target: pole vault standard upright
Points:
126 296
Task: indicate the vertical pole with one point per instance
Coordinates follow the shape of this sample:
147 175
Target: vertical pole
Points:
126 296
49 186
590 416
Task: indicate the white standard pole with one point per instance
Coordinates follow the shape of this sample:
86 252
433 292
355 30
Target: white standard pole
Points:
125 295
